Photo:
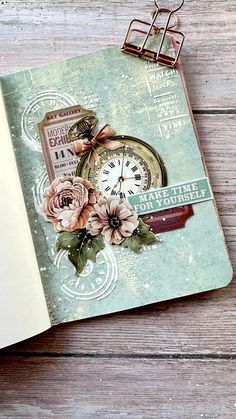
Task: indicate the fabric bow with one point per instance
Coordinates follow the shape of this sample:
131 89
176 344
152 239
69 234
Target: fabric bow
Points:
85 145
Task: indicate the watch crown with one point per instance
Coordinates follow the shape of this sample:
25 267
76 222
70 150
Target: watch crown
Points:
82 128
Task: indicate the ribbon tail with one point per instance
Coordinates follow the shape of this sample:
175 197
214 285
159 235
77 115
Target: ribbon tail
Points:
93 159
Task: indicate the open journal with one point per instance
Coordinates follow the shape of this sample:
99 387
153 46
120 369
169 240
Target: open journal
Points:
106 204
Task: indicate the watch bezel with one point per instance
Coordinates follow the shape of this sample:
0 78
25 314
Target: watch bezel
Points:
122 138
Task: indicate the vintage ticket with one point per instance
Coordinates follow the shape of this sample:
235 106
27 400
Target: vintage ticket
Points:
58 151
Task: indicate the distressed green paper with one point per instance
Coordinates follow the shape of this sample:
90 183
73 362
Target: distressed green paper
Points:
140 99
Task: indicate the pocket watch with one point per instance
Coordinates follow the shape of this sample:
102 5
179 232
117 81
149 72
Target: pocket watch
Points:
132 168
128 170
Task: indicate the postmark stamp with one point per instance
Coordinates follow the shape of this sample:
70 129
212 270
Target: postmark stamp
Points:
97 280
34 113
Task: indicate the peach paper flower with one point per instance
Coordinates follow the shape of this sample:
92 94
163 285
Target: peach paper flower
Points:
113 219
68 203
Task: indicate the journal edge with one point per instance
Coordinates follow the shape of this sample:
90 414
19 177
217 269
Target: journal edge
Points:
183 81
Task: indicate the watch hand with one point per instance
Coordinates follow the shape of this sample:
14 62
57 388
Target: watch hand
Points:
132 177
116 184
123 160
120 181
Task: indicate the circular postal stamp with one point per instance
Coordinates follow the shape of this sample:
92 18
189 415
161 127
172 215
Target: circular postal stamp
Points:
35 111
97 280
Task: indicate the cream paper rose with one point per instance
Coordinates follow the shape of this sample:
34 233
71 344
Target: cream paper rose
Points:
68 203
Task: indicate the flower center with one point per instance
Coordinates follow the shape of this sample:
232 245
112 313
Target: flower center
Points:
114 221
66 201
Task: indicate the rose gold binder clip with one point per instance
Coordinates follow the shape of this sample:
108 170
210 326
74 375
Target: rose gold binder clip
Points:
150 29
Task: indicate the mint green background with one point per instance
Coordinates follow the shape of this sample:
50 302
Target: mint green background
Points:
115 85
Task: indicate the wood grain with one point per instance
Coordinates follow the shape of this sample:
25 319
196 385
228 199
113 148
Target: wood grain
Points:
117 388
170 360
38 32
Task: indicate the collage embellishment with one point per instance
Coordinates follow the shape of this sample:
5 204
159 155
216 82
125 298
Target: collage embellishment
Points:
84 218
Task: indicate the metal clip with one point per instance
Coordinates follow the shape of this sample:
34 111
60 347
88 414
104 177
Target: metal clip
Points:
150 29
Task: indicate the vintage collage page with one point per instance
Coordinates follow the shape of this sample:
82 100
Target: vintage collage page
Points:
119 205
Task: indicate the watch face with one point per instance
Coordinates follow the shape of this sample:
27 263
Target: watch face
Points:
131 169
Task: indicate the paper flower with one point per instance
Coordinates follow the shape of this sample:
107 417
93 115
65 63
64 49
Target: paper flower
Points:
113 219
68 203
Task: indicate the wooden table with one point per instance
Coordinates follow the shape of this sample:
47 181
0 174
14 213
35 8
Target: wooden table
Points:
171 360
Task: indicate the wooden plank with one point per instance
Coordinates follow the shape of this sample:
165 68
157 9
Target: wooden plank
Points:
202 324
34 33
117 388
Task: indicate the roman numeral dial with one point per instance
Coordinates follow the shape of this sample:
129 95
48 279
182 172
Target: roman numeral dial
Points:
129 170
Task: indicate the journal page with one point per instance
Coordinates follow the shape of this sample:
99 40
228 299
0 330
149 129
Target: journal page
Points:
120 206
23 309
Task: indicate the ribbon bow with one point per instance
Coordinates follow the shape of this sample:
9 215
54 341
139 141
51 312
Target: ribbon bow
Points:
85 145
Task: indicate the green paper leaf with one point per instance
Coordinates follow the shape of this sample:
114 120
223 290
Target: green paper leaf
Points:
67 241
133 243
142 236
142 227
88 250
148 238
73 256
81 247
